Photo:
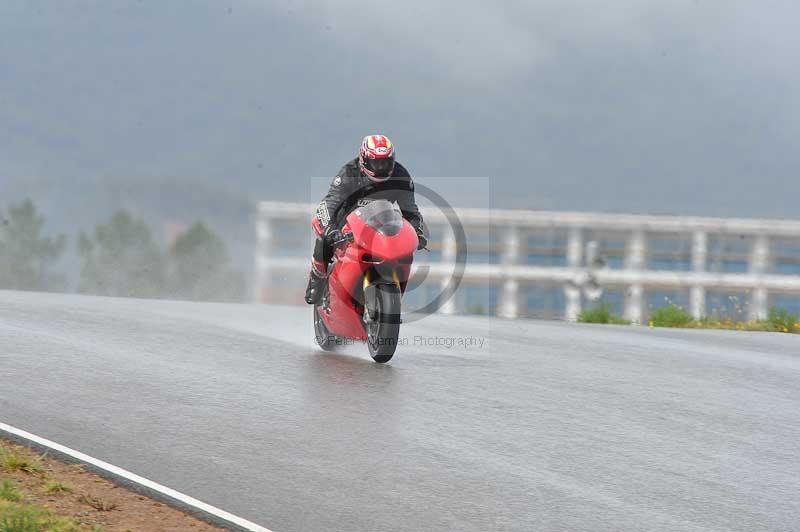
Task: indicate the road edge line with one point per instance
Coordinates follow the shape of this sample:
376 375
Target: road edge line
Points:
173 497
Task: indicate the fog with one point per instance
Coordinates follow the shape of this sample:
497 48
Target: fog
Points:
192 111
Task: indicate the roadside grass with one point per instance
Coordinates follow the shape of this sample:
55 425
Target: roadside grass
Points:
670 316
11 461
778 320
781 320
15 517
97 504
601 314
9 492
39 493
54 486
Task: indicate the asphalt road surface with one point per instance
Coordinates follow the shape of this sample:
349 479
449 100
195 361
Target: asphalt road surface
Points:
477 424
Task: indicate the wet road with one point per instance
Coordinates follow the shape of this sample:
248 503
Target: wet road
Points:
477 424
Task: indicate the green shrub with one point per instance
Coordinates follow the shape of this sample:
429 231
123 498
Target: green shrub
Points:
670 316
601 314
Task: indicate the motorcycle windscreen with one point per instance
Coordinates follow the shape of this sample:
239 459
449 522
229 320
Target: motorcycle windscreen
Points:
382 216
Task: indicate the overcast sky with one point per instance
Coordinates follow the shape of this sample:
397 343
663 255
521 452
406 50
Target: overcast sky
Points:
688 106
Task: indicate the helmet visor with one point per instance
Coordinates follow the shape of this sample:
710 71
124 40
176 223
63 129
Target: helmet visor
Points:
380 167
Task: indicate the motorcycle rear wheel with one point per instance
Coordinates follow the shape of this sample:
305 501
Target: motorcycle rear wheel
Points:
383 329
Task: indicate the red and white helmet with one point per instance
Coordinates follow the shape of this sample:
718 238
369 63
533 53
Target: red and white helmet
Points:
376 157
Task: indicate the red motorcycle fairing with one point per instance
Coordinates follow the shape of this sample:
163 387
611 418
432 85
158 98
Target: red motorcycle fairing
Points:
379 242
383 247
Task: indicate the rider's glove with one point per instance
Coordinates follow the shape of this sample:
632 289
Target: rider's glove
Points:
332 236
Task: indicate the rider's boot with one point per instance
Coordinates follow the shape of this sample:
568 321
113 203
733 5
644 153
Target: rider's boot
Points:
316 281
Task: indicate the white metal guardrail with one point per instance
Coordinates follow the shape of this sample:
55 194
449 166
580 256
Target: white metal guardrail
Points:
580 262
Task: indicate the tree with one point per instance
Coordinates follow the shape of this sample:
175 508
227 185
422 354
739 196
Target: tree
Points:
199 268
121 259
26 256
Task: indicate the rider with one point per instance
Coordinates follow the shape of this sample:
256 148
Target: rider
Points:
373 174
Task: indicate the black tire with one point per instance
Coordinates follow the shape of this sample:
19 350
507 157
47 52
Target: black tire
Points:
383 331
321 333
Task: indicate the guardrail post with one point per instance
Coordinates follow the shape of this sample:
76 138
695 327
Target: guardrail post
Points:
264 242
572 293
509 297
575 247
697 293
448 257
759 264
635 261
634 303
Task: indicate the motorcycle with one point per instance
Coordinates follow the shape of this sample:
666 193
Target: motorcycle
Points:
366 281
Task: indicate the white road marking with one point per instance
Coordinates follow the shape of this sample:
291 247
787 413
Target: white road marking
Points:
136 479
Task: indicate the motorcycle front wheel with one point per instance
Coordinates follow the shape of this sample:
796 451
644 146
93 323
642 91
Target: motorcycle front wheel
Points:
383 328
323 336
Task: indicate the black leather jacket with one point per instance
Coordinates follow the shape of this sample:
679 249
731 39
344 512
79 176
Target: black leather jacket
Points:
350 185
